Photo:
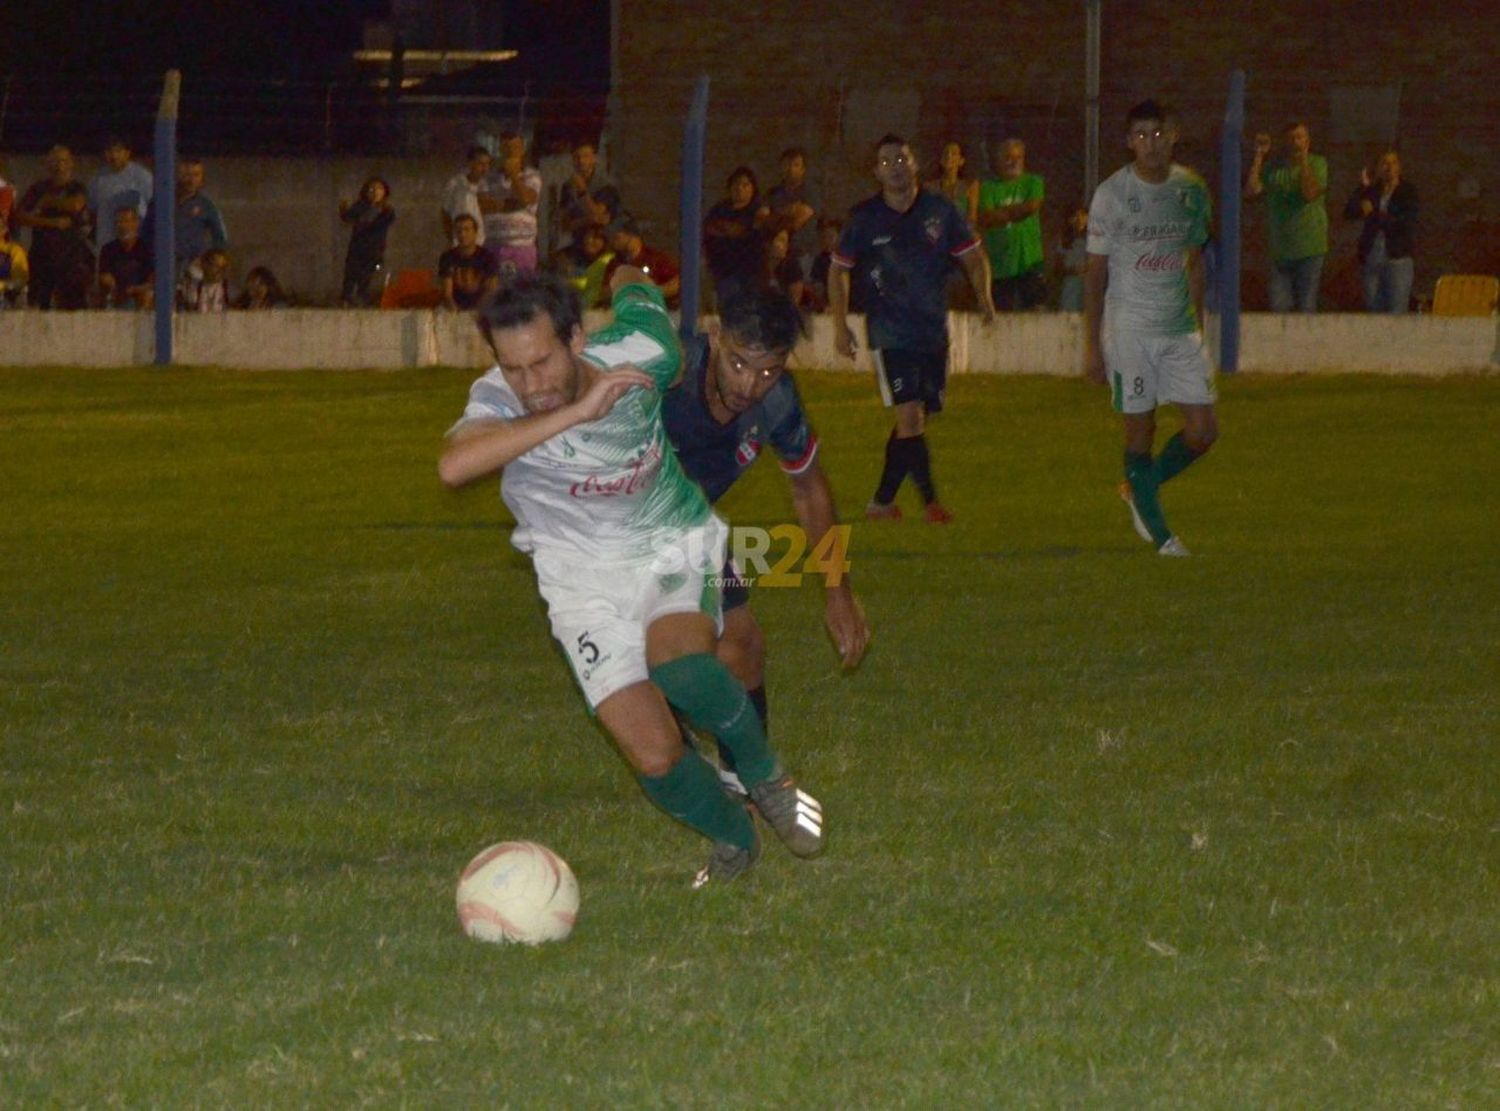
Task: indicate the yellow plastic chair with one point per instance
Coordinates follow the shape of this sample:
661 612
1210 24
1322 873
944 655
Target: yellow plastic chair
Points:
1466 295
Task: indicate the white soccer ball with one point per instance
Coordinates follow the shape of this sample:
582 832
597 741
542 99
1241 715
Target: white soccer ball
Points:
518 891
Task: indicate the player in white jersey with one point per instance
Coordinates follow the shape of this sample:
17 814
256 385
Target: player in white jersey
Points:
626 549
1143 312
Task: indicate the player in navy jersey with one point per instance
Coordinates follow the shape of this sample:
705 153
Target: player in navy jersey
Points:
897 249
734 400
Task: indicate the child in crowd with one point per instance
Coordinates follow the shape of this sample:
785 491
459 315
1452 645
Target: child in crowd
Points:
205 288
1070 257
262 291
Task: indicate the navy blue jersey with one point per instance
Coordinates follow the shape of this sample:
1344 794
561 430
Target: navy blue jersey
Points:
899 264
714 454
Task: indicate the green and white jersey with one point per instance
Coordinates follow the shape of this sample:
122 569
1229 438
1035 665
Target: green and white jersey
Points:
606 491
1146 230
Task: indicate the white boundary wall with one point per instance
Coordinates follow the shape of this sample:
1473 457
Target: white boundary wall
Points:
1035 343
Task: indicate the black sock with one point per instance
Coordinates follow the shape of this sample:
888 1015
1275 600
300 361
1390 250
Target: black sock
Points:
921 467
896 465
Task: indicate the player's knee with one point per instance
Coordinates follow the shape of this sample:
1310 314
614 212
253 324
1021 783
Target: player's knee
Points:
742 649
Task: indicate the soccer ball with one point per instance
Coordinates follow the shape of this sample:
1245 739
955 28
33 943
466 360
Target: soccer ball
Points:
518 891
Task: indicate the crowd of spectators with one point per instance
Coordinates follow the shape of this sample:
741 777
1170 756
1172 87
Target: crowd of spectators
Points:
91 243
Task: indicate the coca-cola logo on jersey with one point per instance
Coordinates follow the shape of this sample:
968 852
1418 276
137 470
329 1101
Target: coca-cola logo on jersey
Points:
637 476
1170 260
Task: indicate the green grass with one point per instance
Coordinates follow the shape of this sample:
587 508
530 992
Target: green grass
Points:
1107 830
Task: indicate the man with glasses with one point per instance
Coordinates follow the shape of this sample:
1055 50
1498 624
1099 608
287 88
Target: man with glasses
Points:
895 251
1143 313
736 398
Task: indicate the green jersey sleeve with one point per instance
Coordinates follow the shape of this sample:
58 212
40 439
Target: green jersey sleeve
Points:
642 333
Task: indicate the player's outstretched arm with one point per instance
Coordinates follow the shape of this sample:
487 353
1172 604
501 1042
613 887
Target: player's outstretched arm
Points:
812 497
485 448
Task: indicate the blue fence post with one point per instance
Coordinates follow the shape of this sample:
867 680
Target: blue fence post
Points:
690 241
164 197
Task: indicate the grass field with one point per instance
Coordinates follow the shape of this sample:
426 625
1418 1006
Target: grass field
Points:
1107 830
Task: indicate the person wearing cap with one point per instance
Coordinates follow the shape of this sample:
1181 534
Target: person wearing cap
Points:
624 236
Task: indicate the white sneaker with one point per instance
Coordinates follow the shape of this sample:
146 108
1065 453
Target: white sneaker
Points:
1135 516
1173 547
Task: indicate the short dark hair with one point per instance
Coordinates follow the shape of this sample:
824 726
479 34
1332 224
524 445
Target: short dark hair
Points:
477 152
794 152
763 318
112 141
745 172
1148 110
462 216
889 139
527 297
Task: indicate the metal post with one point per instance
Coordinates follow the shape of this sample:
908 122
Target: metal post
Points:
1230 202
690 242
164 237
1091 101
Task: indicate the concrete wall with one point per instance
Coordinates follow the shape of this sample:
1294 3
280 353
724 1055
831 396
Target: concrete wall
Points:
1039 343
833 77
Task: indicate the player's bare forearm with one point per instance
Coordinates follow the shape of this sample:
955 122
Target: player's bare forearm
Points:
1095 284
1197 284
812 498
976 266
487 447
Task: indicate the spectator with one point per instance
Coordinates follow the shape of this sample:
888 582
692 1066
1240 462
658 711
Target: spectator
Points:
370 219
1008 216
7 200
199 227
589 198
509 203
1071 256
262 291
14 271
461 195
631 250
466 272
125 265
121 182
56 209
583 263
950 182
1388 207
205 288
731 237
1296 215
782 269
793 204
815 291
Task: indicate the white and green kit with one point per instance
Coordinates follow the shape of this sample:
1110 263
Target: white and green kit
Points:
618 534
1153 344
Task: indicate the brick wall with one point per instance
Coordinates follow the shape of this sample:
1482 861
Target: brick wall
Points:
821 75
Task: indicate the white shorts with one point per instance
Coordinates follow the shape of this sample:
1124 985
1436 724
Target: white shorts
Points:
600 612
1146 370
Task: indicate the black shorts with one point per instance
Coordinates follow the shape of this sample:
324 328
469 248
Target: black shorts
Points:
734 588
911 376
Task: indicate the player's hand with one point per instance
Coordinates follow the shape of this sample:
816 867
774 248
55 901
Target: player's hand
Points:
1365 208
989 316
1364 177
1093 365
843 339
607 389
847 626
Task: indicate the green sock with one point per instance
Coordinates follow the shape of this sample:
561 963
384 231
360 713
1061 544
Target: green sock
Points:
713 701
690 792
1141 474
1175 458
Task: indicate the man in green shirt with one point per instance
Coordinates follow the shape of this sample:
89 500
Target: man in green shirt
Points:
1293 186
1008 219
